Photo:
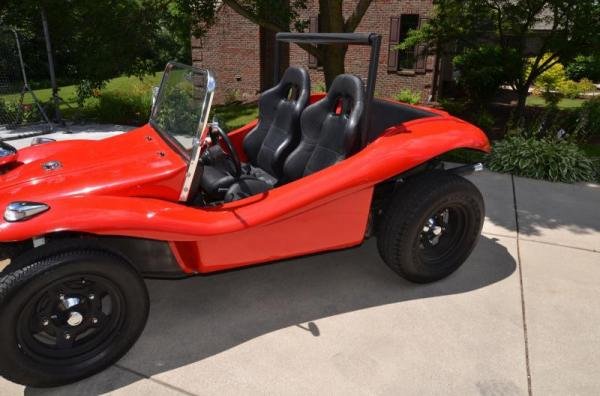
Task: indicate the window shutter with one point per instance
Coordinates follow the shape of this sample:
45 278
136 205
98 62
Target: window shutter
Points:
393 42
421 51
313 28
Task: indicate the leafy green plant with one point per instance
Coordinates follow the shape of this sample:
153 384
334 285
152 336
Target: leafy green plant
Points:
584 67
455 107
320 87
573 89
128 108
408 96
482 70
546 159
588 118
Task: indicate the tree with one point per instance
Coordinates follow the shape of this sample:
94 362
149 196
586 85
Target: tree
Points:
543 32
94 41
281 16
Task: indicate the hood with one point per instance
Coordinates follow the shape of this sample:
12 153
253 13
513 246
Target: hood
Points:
132 163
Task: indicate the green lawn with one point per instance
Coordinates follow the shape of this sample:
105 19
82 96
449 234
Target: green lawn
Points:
236 115
565 103
69 95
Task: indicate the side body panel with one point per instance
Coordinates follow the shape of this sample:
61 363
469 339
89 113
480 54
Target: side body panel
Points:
333 225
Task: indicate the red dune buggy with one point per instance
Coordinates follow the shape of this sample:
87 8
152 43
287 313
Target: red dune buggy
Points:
84 221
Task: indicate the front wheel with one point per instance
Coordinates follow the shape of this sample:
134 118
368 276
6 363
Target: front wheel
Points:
68 316
430 226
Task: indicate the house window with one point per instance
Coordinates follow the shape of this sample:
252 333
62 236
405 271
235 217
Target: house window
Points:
409 59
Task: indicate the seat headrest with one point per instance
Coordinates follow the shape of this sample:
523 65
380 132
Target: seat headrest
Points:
295 84
346 93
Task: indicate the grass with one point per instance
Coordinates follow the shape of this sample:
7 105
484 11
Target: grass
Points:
69 93
237 114
565 103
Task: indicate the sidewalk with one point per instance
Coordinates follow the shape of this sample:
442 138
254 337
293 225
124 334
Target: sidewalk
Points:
521 316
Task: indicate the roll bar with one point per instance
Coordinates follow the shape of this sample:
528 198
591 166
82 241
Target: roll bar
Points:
371 39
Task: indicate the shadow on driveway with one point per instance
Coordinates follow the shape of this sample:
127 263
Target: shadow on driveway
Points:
199 317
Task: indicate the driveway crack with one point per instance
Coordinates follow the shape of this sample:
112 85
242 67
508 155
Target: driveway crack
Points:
523 311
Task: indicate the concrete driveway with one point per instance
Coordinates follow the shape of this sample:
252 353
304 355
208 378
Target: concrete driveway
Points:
521 316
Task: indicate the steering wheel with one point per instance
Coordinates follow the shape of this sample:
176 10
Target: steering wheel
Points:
217 132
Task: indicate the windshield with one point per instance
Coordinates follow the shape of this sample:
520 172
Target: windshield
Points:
180 114
183 104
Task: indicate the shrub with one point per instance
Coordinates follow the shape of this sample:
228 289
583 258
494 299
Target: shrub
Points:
127 108
408 96
588 118
584 67
544 159
455 107
482 71
572 89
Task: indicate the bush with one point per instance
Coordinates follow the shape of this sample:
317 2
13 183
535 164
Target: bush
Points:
584 67
544 159
408 96
482 71
455 107
127 108
588 118
572 89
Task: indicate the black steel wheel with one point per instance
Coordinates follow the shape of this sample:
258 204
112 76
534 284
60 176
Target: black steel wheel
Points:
68 316
430 226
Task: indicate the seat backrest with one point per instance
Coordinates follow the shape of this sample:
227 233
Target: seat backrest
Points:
278 128
330 128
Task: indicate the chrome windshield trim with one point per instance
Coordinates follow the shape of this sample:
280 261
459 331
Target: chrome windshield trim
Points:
201 133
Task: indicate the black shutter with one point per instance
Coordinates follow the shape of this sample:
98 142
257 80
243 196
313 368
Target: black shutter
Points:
313 27
421 51
393 42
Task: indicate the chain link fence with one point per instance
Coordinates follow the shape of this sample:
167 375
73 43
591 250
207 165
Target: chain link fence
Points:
19 106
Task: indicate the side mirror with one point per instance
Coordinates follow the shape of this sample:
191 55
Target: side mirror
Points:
41 140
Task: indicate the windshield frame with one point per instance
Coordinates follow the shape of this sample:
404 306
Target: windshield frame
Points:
192 155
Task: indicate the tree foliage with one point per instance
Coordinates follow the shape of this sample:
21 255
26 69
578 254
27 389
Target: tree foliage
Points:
94 41
545 31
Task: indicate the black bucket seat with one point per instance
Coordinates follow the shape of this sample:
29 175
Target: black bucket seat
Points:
330 132
269 143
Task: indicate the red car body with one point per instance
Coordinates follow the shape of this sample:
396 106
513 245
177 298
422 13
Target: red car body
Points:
129 185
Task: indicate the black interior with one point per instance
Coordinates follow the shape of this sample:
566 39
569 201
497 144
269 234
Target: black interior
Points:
330 130
386 114
291 140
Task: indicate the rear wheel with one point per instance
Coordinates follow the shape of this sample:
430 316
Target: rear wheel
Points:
68 316
430 226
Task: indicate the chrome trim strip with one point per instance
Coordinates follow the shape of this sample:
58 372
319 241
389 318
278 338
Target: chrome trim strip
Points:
201 135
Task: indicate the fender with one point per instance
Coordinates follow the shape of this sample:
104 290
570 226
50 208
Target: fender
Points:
398 150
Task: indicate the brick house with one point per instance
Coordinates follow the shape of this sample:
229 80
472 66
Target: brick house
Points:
240 52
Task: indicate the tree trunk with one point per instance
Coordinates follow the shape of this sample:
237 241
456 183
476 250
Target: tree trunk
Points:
522 93
331 19
333 63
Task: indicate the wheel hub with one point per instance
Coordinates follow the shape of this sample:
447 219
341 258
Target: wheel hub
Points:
75 319
435 227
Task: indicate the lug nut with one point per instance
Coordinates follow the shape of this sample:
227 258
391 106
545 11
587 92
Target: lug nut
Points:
61 296
95 320
45 322
91 296
67 336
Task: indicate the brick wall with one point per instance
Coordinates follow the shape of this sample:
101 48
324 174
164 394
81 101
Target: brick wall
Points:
231 49
234 43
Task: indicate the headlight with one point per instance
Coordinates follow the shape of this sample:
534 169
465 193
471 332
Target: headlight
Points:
17 211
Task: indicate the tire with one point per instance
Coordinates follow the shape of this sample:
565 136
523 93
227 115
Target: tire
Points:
431 226
68 316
